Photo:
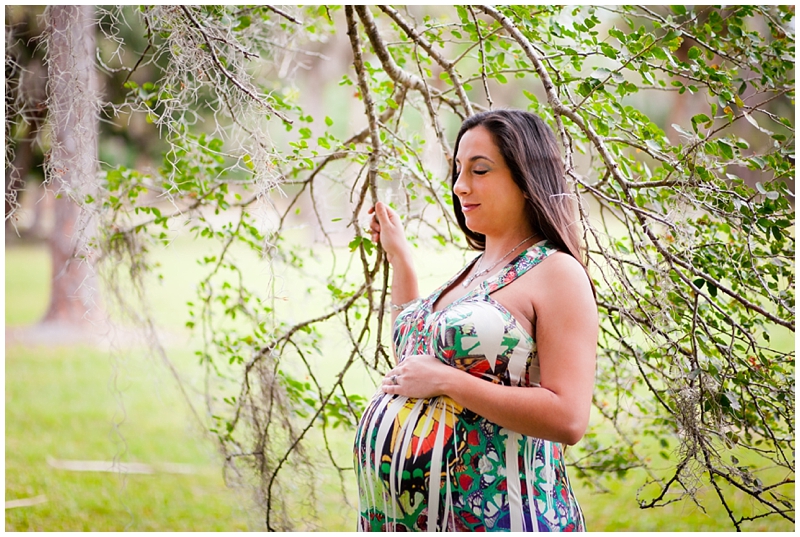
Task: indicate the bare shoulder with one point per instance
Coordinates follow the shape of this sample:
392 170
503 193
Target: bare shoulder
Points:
563 266
562 280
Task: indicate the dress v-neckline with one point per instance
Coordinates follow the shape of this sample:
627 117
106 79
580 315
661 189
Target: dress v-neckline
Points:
485 284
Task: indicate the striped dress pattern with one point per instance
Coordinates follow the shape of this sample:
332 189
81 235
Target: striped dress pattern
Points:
432 465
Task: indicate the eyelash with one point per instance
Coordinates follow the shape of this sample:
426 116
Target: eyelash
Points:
476 172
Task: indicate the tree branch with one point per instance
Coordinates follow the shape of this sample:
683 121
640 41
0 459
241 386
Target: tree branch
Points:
389 65
227 73
448 66
283 14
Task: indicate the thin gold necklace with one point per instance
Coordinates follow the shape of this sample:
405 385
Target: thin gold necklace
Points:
484 271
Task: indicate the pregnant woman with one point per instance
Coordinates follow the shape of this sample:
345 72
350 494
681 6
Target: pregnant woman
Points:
495 369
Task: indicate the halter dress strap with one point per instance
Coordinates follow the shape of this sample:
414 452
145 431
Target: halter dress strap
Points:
519 266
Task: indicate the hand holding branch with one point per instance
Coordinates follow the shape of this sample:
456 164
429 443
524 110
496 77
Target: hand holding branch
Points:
387 229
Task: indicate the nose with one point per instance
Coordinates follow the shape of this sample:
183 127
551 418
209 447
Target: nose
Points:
460 188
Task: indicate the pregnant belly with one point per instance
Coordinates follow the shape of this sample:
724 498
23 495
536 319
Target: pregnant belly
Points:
403 440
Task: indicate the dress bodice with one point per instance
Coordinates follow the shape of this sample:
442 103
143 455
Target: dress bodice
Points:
475 333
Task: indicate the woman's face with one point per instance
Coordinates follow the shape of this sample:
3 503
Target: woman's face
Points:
491 201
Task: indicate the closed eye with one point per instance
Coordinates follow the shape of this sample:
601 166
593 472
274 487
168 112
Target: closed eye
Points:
480 172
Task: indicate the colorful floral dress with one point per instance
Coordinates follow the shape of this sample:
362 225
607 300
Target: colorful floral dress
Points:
430 464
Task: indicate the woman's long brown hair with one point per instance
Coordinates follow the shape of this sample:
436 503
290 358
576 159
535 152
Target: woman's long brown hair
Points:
531 153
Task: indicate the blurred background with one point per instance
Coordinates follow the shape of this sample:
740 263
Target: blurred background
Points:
98 436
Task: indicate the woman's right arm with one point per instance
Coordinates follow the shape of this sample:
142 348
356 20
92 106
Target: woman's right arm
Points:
387 229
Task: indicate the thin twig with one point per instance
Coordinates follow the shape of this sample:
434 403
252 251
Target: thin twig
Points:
227 73
447 65
284 14
483 57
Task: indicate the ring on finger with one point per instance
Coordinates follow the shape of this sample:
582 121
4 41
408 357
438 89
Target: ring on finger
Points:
394 379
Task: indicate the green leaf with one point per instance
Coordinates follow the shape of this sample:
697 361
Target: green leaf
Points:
660 54
712 289
725 149
248 161
733 400
244 22
600 73
701 118
694 53
368 245
621 37
609 51
652 144
671 34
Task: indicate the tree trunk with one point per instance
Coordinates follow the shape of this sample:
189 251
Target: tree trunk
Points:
71 166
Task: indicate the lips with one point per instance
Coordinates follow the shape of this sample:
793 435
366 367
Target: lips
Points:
467 207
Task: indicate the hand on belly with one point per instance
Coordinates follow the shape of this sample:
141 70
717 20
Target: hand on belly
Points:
418 376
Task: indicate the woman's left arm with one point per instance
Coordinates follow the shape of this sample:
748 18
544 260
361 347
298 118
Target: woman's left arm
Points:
566 341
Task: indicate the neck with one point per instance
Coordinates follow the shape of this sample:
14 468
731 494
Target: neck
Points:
497 247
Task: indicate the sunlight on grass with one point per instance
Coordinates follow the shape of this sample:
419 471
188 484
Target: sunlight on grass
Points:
61 403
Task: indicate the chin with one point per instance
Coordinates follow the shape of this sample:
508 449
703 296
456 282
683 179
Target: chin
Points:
475 225
472 227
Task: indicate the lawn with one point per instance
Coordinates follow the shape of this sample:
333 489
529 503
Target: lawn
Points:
84 403
89 403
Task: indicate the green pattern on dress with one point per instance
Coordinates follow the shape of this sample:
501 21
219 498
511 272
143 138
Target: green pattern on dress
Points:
430 464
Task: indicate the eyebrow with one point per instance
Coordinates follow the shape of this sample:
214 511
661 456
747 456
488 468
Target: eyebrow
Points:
478 157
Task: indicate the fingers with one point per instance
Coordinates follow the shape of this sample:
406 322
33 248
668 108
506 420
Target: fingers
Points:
391 382
384 213
375 230
375 226
381 216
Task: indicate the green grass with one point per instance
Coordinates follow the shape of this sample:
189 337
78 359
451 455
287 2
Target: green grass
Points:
83 403
62 403
27 284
